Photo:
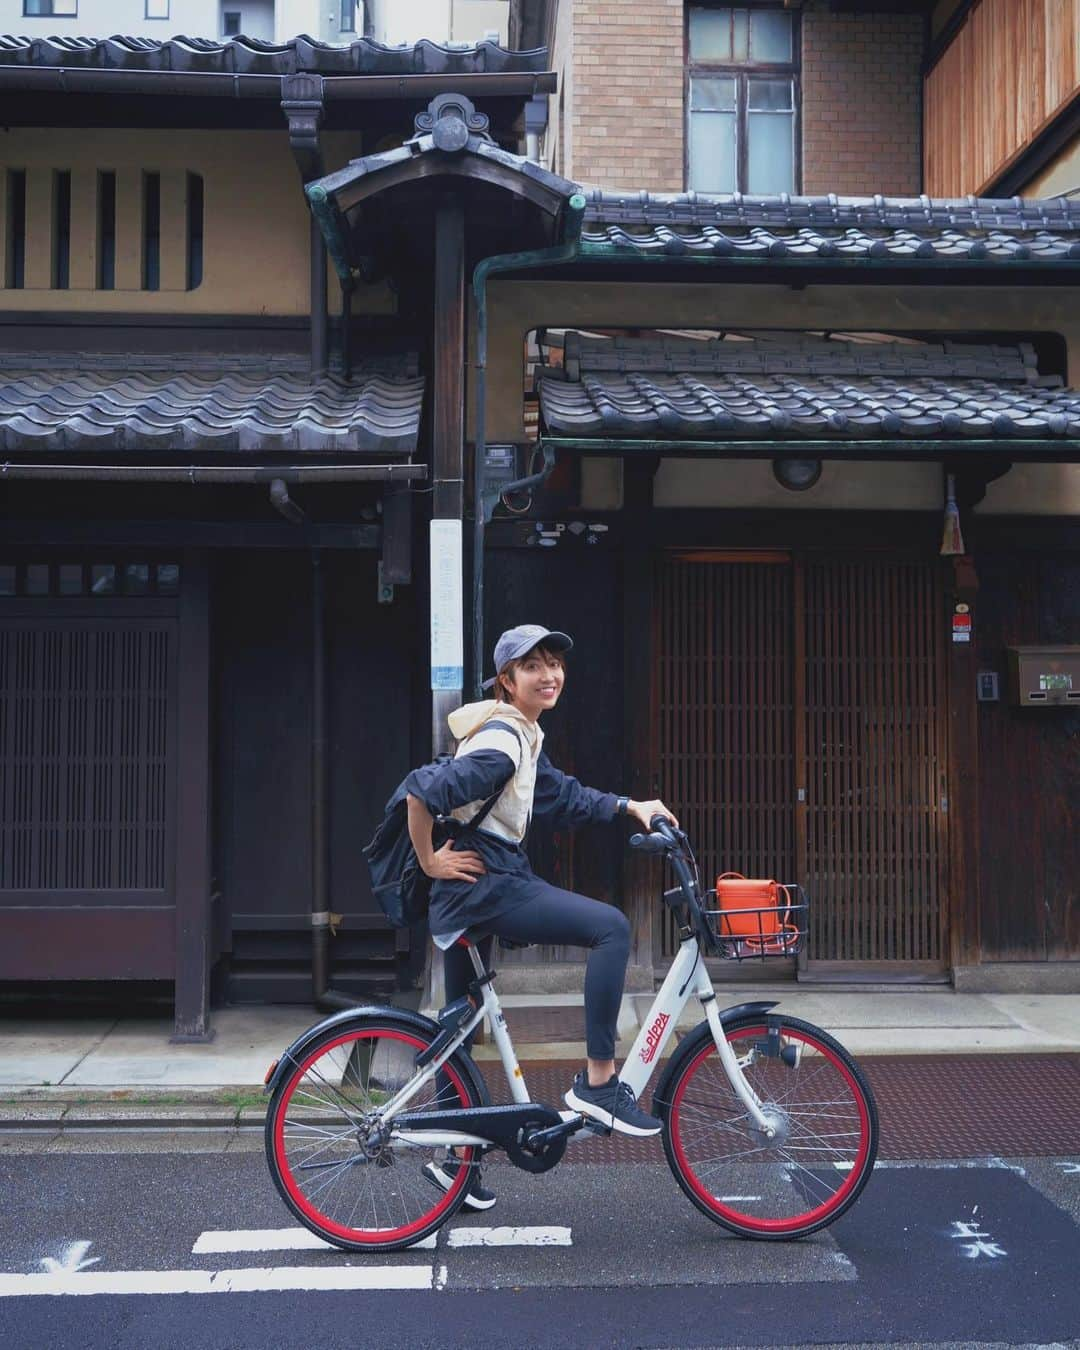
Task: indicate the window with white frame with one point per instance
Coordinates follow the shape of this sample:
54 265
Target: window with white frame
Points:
743 99
50 9
348 16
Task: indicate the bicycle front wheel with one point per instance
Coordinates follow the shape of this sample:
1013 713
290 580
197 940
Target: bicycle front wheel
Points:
818 1102
352 1186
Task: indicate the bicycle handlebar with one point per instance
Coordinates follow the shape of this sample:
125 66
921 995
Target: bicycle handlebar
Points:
672 842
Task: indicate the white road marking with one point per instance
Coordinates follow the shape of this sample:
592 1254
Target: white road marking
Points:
274 1278
970 1164
215 1242
726 1199
71 1259
509 1237
440 1278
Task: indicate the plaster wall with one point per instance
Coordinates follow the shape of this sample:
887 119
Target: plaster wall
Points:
515 307
256 223
103 18
440 20
1062 174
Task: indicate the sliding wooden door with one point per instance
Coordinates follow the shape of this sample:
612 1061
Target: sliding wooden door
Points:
800 732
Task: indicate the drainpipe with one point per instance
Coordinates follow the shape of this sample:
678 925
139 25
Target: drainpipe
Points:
503 262
302 102
321 918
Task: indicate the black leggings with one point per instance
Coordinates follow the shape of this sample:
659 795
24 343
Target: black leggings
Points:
551 915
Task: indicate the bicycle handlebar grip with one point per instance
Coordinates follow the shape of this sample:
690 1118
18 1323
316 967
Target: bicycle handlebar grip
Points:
648 843
659 825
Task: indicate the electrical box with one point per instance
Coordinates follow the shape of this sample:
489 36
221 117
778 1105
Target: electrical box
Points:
1044 677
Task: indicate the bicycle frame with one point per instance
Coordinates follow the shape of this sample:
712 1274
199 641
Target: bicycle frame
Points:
687 978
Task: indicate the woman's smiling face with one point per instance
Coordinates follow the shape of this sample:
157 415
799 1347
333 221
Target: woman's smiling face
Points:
533 683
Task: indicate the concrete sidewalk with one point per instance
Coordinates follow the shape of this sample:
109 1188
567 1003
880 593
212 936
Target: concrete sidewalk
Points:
75 1061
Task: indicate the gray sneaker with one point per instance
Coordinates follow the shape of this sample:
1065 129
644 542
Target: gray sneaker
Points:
613 1104
444 1174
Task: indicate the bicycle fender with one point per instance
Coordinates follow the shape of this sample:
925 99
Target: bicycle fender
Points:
351 1017
691 1044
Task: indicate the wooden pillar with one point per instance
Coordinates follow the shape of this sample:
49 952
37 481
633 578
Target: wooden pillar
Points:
40 206
639 647
448 411
965 939
129 230
83 263
174 230
193 916
448 477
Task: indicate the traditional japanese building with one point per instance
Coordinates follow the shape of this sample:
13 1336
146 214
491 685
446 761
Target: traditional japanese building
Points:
795 463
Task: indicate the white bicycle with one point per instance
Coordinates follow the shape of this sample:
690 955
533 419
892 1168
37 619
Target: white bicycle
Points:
768 1123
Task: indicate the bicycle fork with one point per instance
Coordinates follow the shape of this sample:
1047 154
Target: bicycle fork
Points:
688 978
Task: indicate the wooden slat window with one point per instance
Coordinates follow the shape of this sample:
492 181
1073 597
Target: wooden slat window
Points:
85 744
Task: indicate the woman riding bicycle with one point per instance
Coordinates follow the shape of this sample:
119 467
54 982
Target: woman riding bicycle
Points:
488 886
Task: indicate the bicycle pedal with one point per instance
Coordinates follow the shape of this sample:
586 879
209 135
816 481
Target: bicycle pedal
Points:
596 1126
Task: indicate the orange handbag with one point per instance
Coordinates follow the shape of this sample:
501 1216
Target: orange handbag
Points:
755 913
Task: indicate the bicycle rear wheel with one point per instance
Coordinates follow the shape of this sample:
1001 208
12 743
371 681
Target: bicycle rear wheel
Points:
820 1105
354 1190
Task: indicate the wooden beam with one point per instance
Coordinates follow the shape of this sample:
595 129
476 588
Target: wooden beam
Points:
193 908
172 534
639 731
83 262
40 206
129 230
174 221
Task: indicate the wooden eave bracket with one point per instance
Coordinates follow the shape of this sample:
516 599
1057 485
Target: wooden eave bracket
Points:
303 103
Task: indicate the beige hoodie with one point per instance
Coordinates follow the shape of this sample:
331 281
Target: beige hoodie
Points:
509 817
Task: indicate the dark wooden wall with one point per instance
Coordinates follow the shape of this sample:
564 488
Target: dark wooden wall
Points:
1029 767
263 664
574 587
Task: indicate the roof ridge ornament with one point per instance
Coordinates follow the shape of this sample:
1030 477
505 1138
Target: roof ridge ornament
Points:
450 120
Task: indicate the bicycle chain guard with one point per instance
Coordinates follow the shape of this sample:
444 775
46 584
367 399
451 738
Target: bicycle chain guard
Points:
546 1156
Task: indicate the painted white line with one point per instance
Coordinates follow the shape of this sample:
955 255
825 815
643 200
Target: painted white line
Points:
509 1237
970 1164
440 1278
725 1199
215 1242
274 1278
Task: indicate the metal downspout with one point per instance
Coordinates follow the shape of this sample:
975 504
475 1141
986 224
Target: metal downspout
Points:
503 262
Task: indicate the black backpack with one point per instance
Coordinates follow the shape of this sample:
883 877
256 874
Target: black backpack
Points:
398 882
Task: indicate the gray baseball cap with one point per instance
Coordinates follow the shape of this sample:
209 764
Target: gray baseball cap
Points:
518 641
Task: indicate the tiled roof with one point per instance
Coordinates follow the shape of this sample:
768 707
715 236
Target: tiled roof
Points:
253 56
90 403
739 226
773 389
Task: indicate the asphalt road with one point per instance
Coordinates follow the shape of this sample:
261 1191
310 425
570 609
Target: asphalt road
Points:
979 1252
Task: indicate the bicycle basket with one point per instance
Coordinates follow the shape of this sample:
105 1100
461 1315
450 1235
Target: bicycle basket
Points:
756 919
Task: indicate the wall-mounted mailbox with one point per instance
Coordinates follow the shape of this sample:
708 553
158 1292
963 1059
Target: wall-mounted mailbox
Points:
1044 677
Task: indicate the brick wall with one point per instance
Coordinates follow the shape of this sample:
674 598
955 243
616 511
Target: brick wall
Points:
861 103
621 78
626 116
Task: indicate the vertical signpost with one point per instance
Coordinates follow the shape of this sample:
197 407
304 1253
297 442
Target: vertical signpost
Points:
447 638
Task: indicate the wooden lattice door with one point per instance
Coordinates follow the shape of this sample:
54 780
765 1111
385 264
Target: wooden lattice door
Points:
875 762
800 732
725 704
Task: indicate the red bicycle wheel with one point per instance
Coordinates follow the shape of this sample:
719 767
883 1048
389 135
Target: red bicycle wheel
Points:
822 1111
348 1184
